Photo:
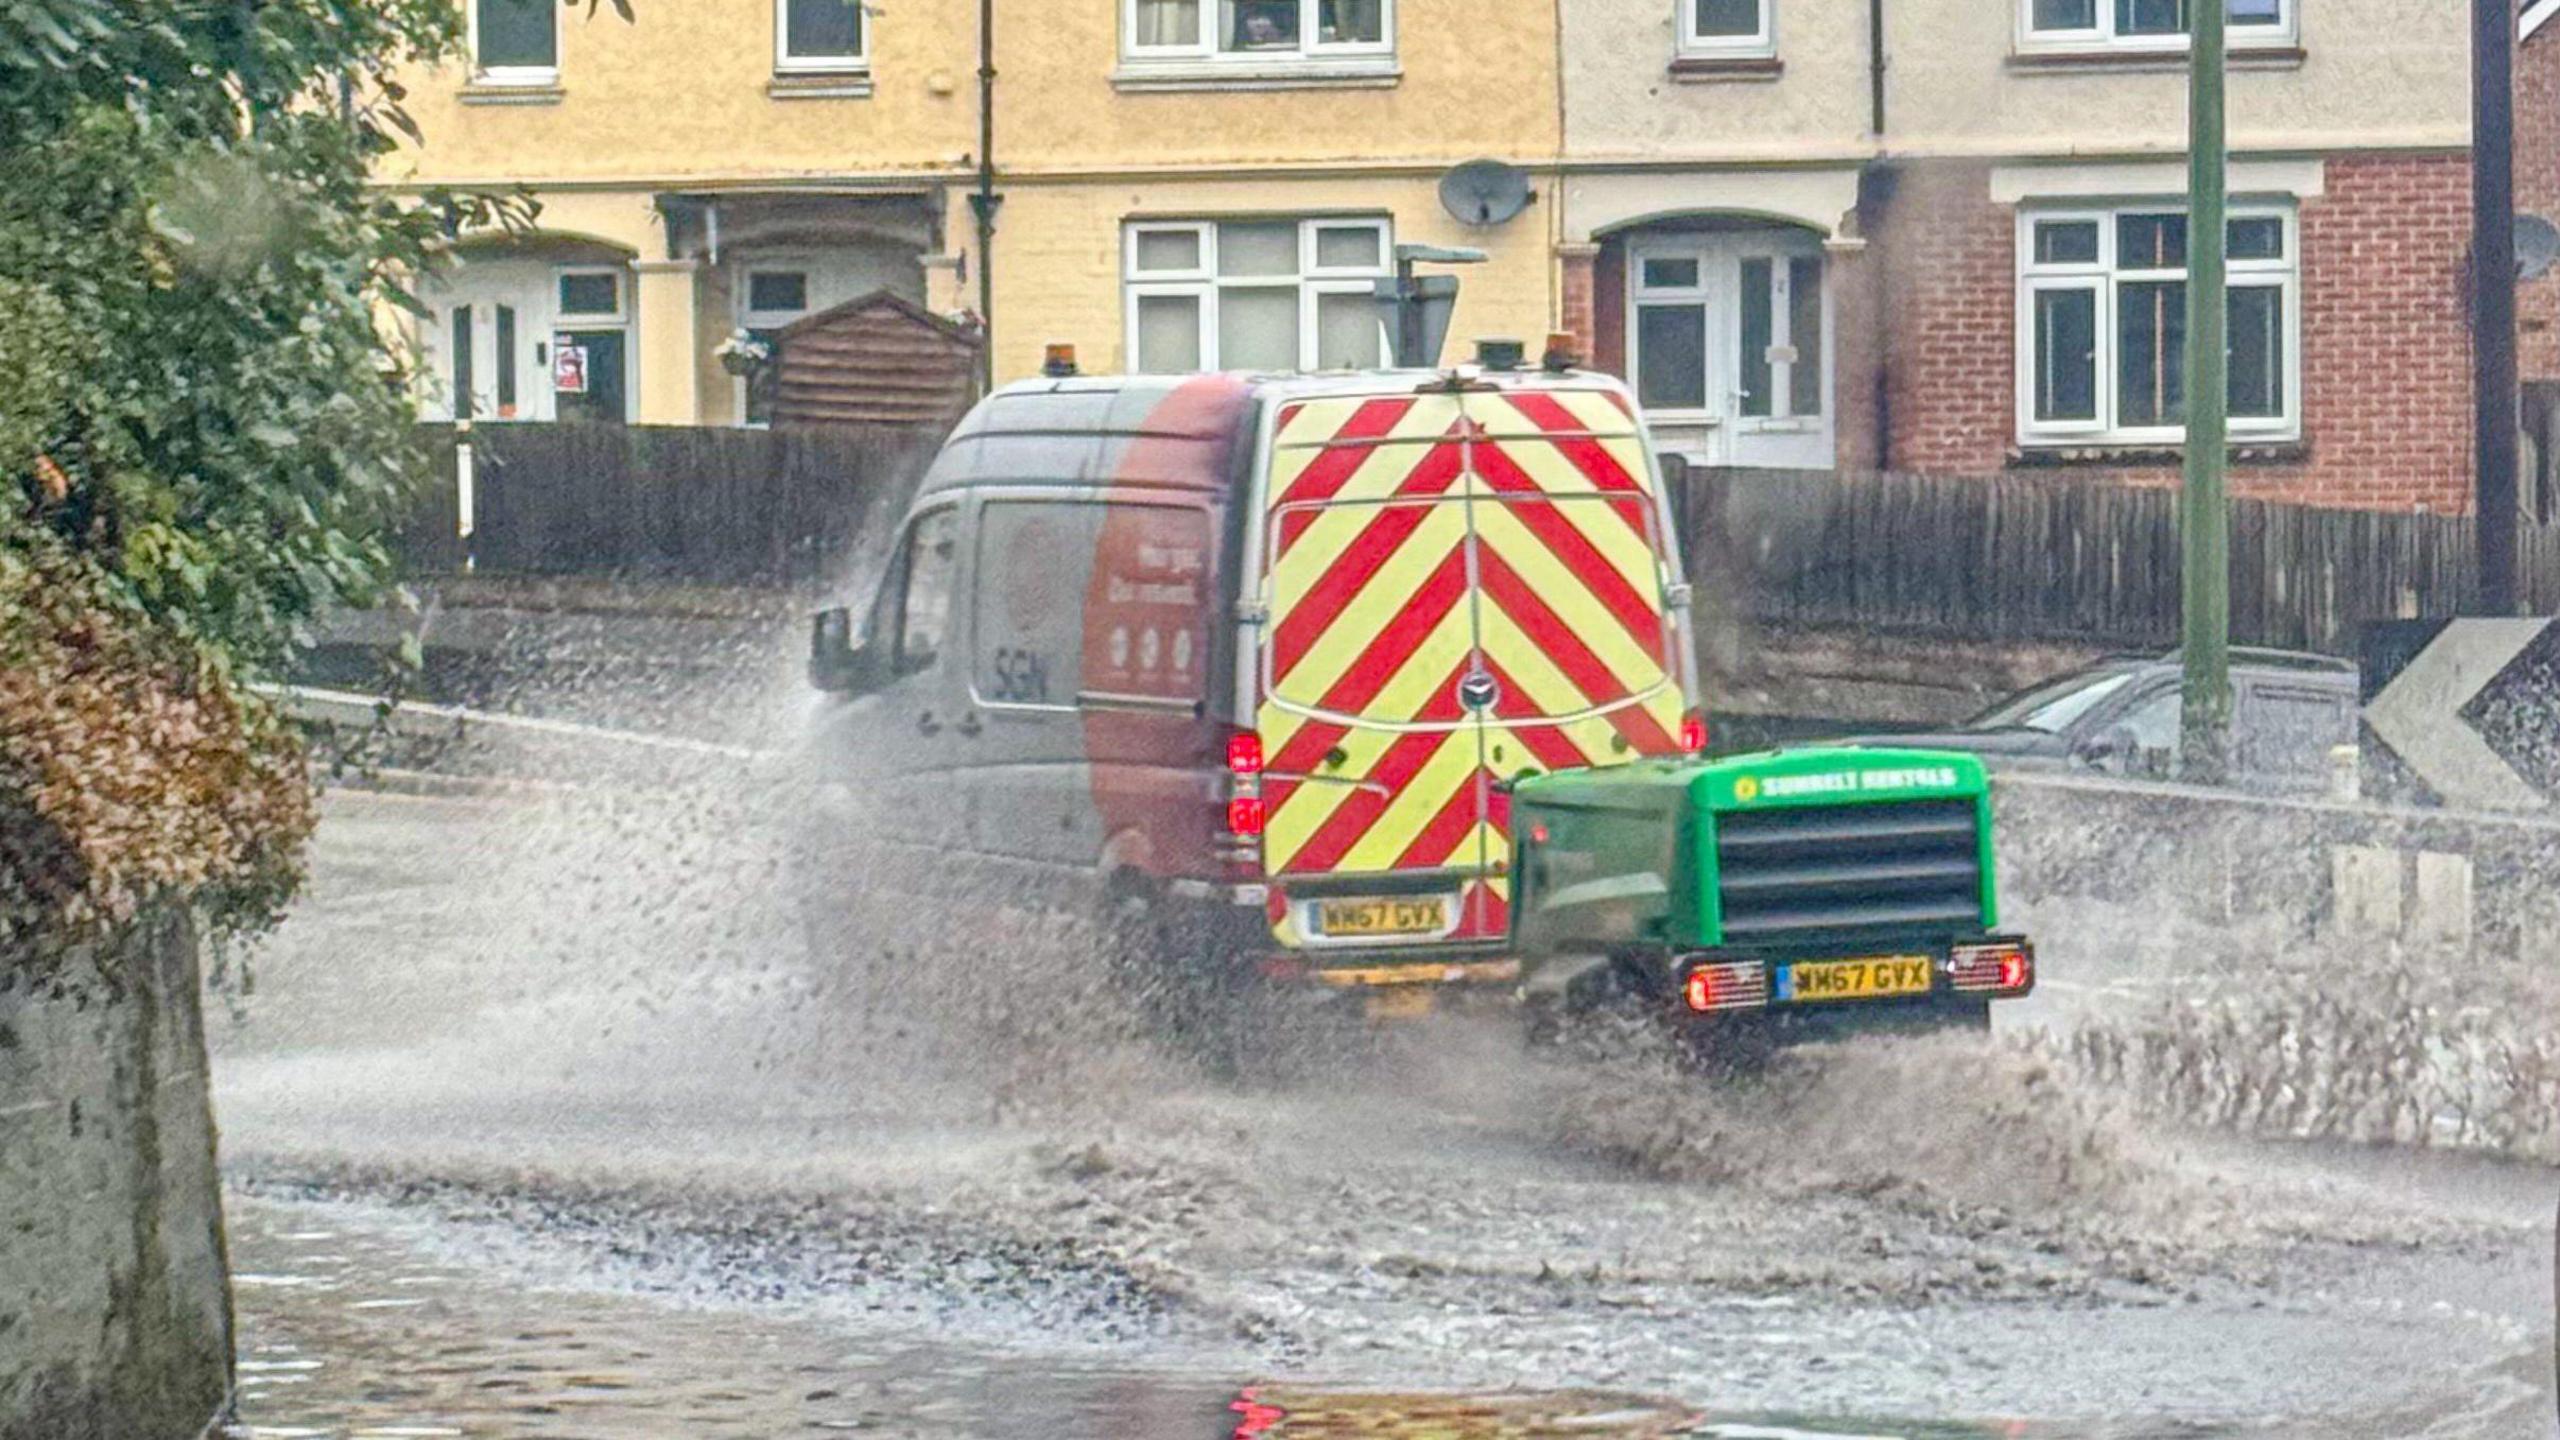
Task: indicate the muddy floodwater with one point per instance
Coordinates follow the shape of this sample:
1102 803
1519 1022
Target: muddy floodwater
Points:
628 1113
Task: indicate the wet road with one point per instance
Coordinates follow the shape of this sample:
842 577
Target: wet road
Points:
586 1048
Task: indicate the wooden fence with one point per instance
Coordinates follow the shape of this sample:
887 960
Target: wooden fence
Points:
1996 558
698 505
2030 557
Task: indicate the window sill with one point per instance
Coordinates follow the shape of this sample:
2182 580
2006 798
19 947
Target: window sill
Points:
847 84
2118 60
1147 76
486 92
1715 69
2044 455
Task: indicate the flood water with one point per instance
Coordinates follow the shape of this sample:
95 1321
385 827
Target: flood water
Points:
552 1115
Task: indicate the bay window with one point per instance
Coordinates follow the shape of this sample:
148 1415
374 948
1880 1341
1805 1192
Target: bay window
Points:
2102 325
1255 295
1274 30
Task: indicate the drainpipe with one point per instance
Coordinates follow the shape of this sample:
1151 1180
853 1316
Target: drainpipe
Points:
1875 68
983 204
1882 290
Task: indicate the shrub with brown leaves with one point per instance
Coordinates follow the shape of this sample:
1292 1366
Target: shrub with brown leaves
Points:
130 772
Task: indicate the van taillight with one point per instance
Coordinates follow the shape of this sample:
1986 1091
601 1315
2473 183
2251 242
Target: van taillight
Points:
1244 785
1244 817
1693 734
1244 753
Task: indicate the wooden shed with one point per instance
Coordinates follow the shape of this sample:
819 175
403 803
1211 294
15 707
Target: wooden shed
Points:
878 360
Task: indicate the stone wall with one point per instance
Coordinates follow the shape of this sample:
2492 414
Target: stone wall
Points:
115 1312
2478 884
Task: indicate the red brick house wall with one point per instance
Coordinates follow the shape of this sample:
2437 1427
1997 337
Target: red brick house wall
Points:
2386 343
2538 193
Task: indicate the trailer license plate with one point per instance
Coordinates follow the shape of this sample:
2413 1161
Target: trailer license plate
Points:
1813 982
1426 915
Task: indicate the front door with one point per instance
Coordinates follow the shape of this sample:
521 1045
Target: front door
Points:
488 364
1729 345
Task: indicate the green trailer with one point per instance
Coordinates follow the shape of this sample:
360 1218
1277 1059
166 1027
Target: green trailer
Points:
1786 894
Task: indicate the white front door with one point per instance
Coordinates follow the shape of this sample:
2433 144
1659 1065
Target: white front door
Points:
1729 346
485 337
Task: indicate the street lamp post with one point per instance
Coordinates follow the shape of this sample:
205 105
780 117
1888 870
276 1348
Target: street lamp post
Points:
2493 299
2204 506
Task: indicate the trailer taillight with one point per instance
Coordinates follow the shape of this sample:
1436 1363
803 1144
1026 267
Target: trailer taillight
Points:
1733 985
1999 967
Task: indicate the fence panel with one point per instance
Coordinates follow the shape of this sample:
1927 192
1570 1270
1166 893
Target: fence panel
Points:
2027 557
689 504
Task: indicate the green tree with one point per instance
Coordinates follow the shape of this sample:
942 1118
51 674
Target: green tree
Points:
204 435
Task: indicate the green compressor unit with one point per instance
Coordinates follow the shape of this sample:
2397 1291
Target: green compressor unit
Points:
1803 890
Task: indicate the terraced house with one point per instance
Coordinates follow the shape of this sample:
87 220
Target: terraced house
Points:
1179 184
1938 235
1955 243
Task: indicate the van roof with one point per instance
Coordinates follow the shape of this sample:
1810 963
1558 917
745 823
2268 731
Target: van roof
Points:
1170 431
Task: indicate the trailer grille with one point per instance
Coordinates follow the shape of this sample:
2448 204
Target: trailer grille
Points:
1852 873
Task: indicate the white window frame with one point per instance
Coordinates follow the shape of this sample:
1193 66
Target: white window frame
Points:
524 75
619 315
786 63
1204 283
749 318
1718 292
2102 36
2104 277
1207 51
1691 44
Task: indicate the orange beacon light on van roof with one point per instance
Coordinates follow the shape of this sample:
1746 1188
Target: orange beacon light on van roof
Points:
1058 361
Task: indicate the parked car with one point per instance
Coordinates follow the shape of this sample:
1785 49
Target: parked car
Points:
2122 716
1263 650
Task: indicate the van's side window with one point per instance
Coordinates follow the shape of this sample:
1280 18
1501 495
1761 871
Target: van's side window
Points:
924 610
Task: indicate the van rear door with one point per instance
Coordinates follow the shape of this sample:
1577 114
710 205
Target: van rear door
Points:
1459 587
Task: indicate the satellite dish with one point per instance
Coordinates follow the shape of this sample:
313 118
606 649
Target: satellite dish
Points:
2537 246
1485 192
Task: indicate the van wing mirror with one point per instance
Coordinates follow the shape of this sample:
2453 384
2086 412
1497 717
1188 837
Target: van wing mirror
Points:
838 663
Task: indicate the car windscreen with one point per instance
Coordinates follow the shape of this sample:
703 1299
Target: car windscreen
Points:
2054 706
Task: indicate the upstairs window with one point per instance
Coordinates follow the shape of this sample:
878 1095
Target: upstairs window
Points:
516 41
819 35
2102 326
1270 30
2148 24
1727 27
1256 295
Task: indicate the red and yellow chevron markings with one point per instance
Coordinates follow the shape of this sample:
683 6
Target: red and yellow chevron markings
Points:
1385 595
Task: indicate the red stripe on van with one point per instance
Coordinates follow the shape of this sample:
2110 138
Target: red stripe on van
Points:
1572 439
1447 829
1385 655
1548 631
1582 558
1331 470
1394 770
1343 580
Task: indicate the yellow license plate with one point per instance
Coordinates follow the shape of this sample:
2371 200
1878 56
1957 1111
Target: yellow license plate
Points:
1338 919
1405 1002
1814 982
